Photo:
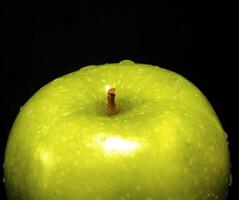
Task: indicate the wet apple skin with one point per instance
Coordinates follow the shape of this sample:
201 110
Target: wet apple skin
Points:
165 142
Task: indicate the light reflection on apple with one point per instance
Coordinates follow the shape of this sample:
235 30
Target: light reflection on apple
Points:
46 158
118 144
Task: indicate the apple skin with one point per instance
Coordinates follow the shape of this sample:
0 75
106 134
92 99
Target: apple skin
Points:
165 142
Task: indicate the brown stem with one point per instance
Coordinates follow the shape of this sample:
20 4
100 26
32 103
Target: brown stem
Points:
111 106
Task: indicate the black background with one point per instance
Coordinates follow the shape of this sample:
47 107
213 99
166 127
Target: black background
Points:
41 42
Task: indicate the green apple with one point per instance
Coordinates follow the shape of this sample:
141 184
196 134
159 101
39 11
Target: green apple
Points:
155 138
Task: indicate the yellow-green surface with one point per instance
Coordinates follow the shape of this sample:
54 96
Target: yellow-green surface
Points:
165 143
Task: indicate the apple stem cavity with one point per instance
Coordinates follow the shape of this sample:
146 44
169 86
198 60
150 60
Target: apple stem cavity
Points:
111 106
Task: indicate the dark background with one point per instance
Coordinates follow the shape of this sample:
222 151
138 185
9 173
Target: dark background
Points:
41 42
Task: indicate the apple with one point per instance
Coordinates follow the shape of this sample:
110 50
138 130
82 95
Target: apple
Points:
121 131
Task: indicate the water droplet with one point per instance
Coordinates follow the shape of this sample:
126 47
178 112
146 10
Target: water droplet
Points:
126 62
90 80
230 180
29 112
225 134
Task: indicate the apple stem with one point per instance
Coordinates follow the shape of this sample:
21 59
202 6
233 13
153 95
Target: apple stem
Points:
111 106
